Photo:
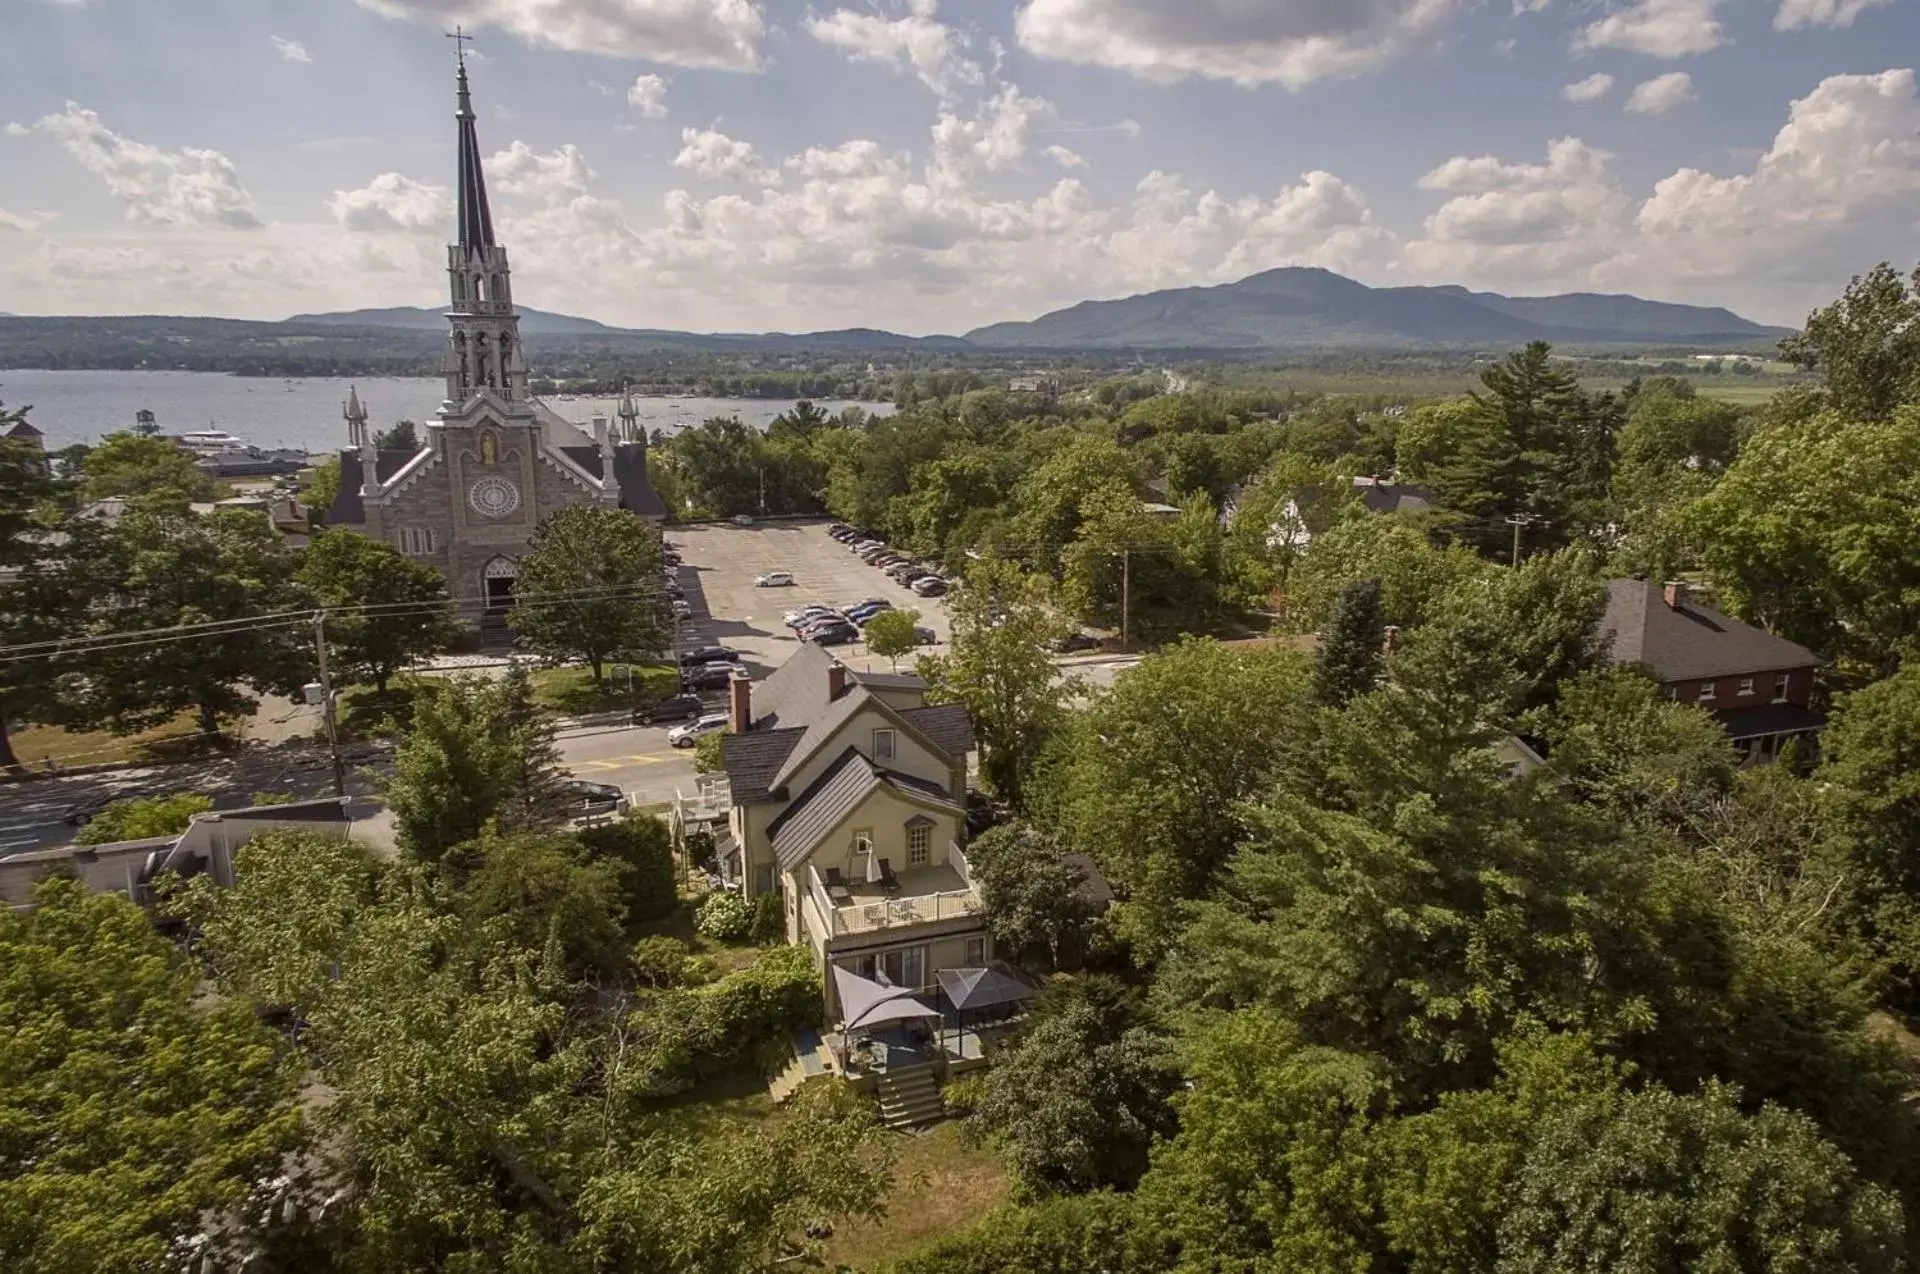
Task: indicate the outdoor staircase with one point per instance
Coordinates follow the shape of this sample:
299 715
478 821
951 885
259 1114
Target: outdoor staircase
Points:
910 1097
809 1057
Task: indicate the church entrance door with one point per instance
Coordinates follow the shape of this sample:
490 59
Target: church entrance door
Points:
497 579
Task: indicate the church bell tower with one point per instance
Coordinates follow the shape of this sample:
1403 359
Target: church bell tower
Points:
483 351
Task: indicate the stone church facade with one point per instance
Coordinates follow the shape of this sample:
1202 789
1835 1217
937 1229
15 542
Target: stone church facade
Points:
496 460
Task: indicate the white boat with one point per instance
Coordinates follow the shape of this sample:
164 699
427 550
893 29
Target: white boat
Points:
207 442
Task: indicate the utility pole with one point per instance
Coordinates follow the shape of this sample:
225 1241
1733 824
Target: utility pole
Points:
1126 599
1517 521
326 700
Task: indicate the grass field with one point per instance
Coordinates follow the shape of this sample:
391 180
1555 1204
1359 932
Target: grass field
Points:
941 1184
35 744
572 692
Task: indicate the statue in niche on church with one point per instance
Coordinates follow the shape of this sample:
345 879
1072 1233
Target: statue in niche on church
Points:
483 368
488 453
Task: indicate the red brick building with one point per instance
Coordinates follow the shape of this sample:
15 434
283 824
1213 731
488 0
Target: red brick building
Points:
1757 684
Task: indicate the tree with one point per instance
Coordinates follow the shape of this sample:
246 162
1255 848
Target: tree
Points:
1392 549
708 754
402 437
802 420
1872 780
589 589
388 610
1080 1096
537 794
998 666
642 847
1153 779
536 886
1348 661
1034 899
1051 501
134 467
1814 534
139 818
891 634
463 761
1674 448
323 488
225 576
134 1108
45 587
1866 345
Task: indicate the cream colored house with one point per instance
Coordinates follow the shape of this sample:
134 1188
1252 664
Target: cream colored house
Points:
849 800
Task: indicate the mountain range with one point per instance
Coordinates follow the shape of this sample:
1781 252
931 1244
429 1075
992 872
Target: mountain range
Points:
1298 306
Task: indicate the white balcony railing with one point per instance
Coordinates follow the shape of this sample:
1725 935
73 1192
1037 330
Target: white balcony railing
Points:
923 896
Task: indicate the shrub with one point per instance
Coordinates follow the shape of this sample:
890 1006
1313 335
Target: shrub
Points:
962 1096
1078 1232
769 921
706 754
662 962
643 847
142 817
700 850
696 1033
724 916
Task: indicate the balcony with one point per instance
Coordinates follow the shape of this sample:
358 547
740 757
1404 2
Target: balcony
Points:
921 895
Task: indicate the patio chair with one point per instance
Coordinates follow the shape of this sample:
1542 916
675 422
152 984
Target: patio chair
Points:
833 878
888 881
875 914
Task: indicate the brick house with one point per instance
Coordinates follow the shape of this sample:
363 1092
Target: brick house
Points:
1757 685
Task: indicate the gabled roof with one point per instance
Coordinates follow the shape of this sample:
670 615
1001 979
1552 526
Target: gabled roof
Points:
840 790
945 725
1690 641
21 429
796 691
751 760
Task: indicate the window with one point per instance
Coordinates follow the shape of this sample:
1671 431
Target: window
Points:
416 539
1781 685
1746 685
976 954
919 842
763 879
883 745
905 968
1706 692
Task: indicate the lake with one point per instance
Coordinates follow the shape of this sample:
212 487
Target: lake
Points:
71 407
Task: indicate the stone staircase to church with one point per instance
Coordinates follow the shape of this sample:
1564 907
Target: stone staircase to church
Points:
909 1098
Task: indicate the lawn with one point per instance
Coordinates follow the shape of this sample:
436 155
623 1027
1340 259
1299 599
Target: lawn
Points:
572 692
941 1184
34 744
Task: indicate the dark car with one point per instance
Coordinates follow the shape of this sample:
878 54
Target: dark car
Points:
709 676
708 655
833 635
929 586
672 708
926 636
839 529
1072 642
596 798
862 613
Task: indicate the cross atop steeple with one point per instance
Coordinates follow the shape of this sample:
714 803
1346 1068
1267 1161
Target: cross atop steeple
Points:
460 42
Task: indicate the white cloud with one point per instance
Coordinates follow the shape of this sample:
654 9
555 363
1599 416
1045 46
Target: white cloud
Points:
933 50
391 202
1795 14
521 170
1658 28
1591 89
648 95
720 35
1521 222
711 153
994 140
1066 158
23 222
1661 94
1285 43
291 50
188 187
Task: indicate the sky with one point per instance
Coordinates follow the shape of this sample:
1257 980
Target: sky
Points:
933 165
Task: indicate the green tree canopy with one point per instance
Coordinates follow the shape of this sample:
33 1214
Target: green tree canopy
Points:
134 467
891 634
589 589
391 610
1866 345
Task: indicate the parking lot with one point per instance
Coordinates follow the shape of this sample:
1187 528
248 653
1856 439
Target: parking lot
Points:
719 566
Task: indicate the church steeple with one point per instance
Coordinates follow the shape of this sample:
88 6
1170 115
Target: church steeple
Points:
483 351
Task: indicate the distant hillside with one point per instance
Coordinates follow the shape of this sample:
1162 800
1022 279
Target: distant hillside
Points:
1303 307
415 318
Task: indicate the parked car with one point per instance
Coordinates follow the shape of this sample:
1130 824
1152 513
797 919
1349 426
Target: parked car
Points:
839 529
870 552
1072 642
708 655
595 798
671 708
82 812
685 736
814 625
774 579
833 635
675 592
861 614
670 559
929 586
811 611
742 519
680 608
709 676
926 636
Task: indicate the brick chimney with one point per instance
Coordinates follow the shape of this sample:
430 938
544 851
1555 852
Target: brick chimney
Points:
1675 591
836 680
740 703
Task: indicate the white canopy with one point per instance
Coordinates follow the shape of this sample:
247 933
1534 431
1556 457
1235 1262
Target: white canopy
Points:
865 1004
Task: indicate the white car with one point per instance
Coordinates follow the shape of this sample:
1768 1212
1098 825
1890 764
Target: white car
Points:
774 579
681 610
809 611
685 736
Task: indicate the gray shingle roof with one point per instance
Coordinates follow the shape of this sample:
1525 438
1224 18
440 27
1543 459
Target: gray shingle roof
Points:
838 792
825 724
947 726
752 759
1692 641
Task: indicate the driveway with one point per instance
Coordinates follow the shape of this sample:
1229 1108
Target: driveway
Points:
721 562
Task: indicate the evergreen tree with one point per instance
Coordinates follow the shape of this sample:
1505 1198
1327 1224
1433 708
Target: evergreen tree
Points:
538 796
1350 645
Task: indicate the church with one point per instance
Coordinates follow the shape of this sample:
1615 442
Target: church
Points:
496 460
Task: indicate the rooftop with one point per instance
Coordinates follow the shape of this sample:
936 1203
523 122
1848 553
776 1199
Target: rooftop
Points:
1689 640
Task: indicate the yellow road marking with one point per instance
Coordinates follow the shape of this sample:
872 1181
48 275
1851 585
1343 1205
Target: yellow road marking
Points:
618 762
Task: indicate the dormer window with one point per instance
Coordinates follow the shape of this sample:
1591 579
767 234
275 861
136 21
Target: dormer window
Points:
883 745
1706 692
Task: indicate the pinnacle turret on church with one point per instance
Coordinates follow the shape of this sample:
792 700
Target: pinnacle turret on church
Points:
483 351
